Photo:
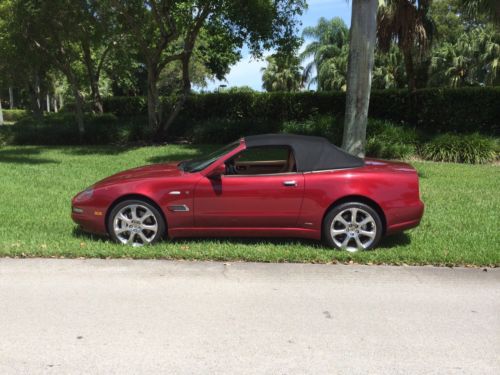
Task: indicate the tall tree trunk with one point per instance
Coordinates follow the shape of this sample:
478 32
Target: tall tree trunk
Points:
186 90
34 91
359 74
154 113
410 71
1 113
78 99
38 94
11 98
61 101
48 103
54 104
93 78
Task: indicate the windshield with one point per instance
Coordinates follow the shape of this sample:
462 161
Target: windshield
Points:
196 165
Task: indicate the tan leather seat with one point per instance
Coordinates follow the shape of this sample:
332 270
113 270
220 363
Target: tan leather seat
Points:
291 162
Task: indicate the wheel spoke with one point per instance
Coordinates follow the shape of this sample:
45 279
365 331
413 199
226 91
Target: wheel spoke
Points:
336 232
144 239
146 215
123 218
354 214
133 212
365 221
345 242
367 234
121 230
152 228
359 243
130 240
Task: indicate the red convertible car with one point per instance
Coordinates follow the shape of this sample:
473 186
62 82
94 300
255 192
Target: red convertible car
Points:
260 186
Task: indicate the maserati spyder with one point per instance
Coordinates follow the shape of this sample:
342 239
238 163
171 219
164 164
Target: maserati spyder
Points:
274 185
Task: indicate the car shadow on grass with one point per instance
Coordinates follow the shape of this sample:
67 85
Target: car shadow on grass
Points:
387 243
394 240
25 156
80 234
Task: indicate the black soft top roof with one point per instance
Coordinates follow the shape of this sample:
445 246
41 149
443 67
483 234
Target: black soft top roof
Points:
311 153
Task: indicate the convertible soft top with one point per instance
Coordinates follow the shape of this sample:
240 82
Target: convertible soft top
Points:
311 153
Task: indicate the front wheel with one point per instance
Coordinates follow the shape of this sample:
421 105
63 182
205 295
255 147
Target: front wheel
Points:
136 223
352 226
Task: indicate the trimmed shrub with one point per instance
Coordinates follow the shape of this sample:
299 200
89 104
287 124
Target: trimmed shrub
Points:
389 141
471 149
14 114
318 125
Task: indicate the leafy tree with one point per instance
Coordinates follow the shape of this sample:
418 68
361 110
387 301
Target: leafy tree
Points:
359 73
21 64
329 51
165 31
283 73
407 23
72 35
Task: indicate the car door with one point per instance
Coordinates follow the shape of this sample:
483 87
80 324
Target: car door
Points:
263 201
257 195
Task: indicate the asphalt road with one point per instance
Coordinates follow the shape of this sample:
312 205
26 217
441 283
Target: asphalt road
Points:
131 317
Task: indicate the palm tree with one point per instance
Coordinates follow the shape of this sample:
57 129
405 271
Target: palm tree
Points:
359 74
473 60
389 69
406 23
329 50
486 8
282 73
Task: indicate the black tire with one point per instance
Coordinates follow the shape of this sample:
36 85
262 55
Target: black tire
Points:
153 237
374 227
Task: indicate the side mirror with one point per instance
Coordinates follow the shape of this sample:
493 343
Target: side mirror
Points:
218 171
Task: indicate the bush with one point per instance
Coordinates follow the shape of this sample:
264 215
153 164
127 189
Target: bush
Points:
318 125
389 141
218 131
14 115
126 106
61 129
471 149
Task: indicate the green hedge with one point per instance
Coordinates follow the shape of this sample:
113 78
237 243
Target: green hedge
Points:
433 111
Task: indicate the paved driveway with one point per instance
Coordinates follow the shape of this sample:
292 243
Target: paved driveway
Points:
130 317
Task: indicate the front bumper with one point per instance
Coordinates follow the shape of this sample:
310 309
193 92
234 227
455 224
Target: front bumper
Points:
89 219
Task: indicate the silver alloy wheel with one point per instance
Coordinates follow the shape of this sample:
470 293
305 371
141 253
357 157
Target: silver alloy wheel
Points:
353 229
135 225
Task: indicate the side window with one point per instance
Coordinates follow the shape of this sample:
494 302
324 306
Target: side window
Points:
262 160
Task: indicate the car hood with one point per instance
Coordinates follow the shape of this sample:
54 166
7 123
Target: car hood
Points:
144 172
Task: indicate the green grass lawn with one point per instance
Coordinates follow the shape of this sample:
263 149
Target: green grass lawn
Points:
460 225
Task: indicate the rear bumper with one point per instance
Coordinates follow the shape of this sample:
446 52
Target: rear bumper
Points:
408 217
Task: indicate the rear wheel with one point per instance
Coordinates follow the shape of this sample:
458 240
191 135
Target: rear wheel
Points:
136 223
352 226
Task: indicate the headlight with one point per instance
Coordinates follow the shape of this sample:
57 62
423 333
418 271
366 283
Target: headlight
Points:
85 195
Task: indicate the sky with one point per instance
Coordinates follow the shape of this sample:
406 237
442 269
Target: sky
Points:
247 72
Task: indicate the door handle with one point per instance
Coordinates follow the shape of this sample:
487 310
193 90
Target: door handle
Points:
290 183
